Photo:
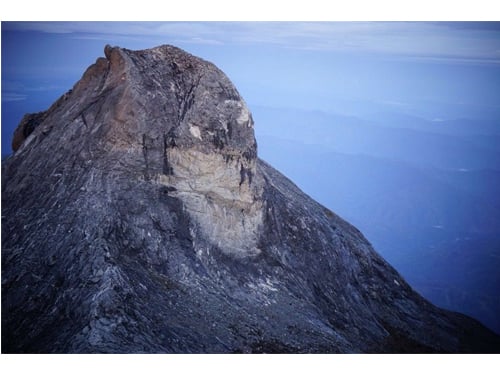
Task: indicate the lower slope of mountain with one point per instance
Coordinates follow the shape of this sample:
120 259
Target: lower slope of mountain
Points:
137 217
437 226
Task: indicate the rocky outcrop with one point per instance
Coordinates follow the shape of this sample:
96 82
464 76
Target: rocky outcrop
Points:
136 217
28 123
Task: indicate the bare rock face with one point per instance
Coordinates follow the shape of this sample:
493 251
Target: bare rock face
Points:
136 217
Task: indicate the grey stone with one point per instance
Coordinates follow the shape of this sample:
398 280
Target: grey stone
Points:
137 217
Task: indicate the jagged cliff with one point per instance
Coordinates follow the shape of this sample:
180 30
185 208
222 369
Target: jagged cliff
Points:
136 217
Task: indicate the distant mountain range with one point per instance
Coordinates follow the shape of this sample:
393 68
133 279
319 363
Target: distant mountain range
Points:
424 192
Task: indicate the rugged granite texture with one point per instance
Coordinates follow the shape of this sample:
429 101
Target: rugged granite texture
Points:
136 217
29 122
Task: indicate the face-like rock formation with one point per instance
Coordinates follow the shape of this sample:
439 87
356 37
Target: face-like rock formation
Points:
136 217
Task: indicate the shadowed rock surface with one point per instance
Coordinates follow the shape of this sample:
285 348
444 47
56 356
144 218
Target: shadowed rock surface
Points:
137 218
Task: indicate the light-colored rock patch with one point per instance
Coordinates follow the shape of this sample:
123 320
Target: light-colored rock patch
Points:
226 209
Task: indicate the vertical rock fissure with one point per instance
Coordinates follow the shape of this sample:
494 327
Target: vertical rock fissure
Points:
147 177
167 168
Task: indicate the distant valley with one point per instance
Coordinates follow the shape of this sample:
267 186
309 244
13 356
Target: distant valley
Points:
425 193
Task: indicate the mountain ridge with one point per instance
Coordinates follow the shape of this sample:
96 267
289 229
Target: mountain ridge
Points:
137 217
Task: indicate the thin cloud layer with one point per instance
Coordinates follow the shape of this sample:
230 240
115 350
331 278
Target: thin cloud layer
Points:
462 42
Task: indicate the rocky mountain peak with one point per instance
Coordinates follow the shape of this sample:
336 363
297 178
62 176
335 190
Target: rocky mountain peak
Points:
205 112
186 120
137 217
